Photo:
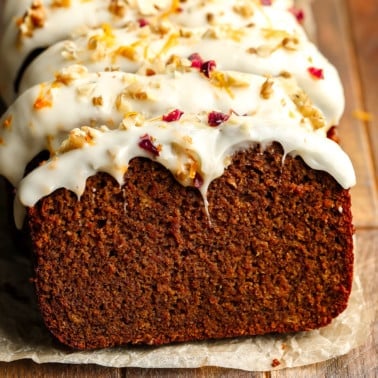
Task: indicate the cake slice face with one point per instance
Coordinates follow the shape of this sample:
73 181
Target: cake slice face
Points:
145 263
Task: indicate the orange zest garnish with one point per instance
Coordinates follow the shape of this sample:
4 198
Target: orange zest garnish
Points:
44 99
363 115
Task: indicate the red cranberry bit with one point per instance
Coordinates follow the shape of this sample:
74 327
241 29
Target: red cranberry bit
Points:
316 73
266 2
145 143
298 14
174 115
332 134
276 363
198 180
143 22
207 67
196 60
216 118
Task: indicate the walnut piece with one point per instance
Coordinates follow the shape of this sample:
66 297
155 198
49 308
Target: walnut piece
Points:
266 89
34 18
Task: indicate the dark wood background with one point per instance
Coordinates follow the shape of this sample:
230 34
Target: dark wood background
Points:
348 35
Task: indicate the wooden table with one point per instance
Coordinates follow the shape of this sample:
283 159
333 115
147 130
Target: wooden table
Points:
348 35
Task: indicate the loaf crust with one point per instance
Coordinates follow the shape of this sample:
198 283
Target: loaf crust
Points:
144 263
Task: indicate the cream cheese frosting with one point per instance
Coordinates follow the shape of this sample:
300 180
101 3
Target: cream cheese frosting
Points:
250 49
103 117
28 25
42 116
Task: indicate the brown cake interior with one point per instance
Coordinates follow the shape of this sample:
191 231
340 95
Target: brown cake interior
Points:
144 263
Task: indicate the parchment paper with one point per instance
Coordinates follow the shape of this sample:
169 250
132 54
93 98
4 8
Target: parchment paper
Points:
23 335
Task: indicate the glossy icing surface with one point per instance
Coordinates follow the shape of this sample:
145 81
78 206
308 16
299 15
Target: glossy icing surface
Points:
247 85
145 49
28 25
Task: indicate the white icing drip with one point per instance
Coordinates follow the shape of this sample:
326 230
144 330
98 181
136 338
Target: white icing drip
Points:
111 150
72 105
61 23
229 49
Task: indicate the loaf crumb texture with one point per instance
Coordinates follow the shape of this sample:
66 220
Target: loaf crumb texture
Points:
144 263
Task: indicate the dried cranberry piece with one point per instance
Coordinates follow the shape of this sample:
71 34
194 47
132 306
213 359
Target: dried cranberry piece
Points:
266 2
198 180
298 14
332 134
207 67
196 60
174 115
216 118
145 143
143 22
317 73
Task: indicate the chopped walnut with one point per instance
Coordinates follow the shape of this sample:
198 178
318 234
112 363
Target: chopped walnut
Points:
224 31
187 164
210 34
276 33
307 109
132 119
122 103
128 52
118 8
210 17
244 10
161 27
34 18
69 51
112 69
252 50
290 43
150 72
285 74
185 33
78 138
85 90
67 75
175 63
60 3
97 101
137 92
266 89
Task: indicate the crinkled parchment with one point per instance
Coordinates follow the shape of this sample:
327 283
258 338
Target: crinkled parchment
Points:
23 335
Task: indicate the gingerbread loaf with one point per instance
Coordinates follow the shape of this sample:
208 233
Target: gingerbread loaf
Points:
174 190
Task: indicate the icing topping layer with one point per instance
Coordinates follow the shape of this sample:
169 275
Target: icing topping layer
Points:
147 50
121 116
28 25
206 79
190 148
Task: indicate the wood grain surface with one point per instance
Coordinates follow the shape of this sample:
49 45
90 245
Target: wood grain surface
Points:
348 36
